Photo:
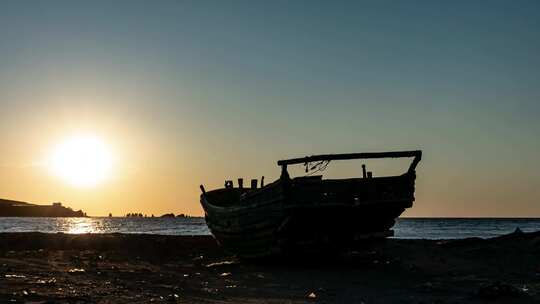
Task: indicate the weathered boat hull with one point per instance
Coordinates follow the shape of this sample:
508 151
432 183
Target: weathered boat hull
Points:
288 233
306 214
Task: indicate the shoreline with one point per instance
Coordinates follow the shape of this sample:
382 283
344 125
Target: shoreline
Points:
405 228
143 268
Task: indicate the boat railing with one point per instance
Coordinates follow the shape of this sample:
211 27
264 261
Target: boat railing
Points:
417 154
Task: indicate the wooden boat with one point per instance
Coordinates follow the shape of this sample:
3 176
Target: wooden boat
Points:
309 213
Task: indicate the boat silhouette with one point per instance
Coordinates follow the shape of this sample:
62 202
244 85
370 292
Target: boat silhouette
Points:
309 213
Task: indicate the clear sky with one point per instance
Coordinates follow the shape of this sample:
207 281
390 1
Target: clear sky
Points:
190 92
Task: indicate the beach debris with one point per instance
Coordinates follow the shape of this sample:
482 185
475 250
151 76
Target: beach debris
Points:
14 276
312 295
223 263
210 290
197 258
76 270
230 286
173 297
260 276
225 274
50 281
499 290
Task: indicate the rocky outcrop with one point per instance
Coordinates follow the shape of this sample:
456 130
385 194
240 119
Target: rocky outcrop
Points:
10 208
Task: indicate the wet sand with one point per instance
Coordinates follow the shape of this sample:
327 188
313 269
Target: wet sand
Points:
123 268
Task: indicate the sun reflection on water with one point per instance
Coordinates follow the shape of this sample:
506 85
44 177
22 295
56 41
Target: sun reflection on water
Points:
78 225
82 225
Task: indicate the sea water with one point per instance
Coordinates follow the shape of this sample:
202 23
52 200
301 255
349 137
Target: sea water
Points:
410 228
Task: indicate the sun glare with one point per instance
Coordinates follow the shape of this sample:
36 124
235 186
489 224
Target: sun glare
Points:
81 161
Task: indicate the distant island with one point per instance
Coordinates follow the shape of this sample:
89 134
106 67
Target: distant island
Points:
166 215
11 208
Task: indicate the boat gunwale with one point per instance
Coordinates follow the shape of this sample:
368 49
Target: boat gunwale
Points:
260 191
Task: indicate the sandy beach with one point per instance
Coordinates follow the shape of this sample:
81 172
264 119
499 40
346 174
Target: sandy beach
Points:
124 268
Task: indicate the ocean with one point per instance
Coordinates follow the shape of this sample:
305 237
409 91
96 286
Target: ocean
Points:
407 228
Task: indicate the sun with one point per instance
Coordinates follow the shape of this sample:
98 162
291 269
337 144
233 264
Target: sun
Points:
82 161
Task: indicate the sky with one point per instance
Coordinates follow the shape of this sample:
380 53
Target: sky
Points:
195 92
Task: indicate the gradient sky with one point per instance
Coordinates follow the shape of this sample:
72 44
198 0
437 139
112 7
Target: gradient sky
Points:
190 92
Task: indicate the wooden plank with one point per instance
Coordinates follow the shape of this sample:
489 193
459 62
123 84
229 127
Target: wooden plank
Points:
346 156
417 154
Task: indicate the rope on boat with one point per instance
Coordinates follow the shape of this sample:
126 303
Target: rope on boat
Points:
318 167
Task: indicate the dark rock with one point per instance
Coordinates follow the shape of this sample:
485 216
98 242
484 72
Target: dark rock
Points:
499 290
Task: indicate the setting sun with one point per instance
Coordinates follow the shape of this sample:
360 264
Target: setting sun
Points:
81 161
